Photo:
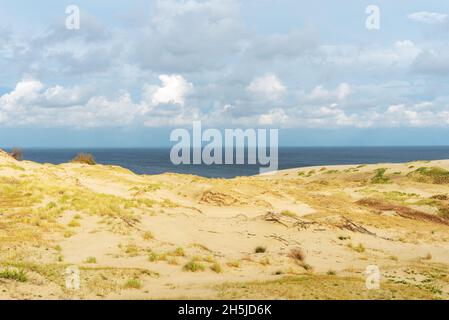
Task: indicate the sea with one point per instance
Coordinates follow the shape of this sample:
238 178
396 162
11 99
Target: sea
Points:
157 160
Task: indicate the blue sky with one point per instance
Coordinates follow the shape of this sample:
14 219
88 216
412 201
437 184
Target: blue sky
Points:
137 69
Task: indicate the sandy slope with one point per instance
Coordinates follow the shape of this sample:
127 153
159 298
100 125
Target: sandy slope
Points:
136 236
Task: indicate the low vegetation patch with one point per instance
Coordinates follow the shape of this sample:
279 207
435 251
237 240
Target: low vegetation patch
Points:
74 223
133 284
402 211
193 266
260 249
91 260
84 158
360 248
297 254
216 267
289 214
379 176
434 175
233 264
178 252
14 274
148 235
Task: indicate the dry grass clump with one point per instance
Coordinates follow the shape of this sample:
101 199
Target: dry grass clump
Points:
91 260
216 267
148 235
178 252
193 266
155 257
133 284
360 248
233 264
84 158
132 250
297 254
74 223
17 154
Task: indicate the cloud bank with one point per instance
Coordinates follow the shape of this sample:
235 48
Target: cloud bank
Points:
203 60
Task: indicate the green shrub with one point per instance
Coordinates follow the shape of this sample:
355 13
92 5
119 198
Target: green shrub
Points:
379 176
14 274
260 249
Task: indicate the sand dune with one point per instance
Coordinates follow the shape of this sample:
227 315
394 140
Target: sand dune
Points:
306 233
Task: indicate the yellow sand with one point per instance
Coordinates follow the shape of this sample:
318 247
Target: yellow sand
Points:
139 237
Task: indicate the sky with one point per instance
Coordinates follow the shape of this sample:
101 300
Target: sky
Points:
135 70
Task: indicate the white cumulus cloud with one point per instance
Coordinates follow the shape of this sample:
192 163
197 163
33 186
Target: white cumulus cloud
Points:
174 89
269 87
320 93
428 17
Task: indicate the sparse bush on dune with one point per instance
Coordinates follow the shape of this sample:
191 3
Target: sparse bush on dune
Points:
216 267
193 266
14 274
133 284
297 254
360 248
148 235
91 260
260 249
84 158
379 177
16 153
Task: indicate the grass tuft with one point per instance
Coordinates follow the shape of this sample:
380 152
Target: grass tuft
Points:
91 260
14 274
133 284
193 266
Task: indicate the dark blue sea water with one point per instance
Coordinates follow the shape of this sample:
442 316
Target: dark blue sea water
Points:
157 160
